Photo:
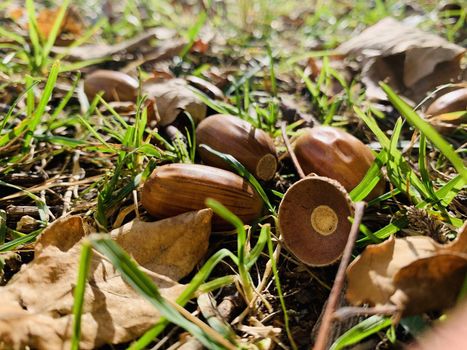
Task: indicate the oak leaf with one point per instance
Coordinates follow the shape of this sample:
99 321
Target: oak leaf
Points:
36 308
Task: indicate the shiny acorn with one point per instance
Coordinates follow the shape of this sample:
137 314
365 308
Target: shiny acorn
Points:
336 154
117 86
228 134
451 102
178 188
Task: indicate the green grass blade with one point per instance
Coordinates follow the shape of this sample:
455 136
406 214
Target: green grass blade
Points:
12 36
5 247
34 35
78 295
371 178
279 288
55 30
361 331
3 226
426 129
186 295
396 154
259 247
193 33
146 288
241 170
242 253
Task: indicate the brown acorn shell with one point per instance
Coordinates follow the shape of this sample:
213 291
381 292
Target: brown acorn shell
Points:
451 102
178 188
334 153
117 86
228 134
295 212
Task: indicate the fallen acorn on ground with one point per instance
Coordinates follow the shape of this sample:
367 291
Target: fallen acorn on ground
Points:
228 134
449 111
178 188
334 153
117 86
453 101
313 220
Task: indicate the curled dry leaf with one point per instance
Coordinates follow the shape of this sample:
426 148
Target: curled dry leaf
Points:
36 308
414 273
414 61
171 97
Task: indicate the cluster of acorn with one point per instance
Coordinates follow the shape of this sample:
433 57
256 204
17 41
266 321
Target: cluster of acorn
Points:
314 212
313 215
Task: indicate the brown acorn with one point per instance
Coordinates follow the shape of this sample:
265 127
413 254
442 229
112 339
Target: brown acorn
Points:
178 188
228 134
451 102
334 153
313 220
117 86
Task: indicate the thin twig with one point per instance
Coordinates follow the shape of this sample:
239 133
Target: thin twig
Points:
291 152
324 329
351 311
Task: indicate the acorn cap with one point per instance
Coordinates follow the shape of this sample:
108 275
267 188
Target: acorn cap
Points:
313 219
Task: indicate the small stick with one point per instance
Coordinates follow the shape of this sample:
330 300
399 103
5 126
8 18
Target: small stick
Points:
351 311
328 316
291 152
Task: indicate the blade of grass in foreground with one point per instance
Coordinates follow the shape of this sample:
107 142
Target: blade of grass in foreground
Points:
426 129
78 295
361 331
5 247
54 31
146 288
241 170
186 295
371 179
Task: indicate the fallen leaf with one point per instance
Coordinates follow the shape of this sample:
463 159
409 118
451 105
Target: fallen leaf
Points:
414 273
412 61
140 43
431 283
70 28
178 243
171 97
36 309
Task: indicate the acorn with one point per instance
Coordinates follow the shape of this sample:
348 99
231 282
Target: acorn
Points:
178 188
451 102
228 134
334 153
117 86
449 111
313 220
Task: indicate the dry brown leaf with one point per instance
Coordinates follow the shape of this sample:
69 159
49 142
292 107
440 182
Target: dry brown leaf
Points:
178 243
70 28
414 62
431 283
414 273
172 97
167 47
36 308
